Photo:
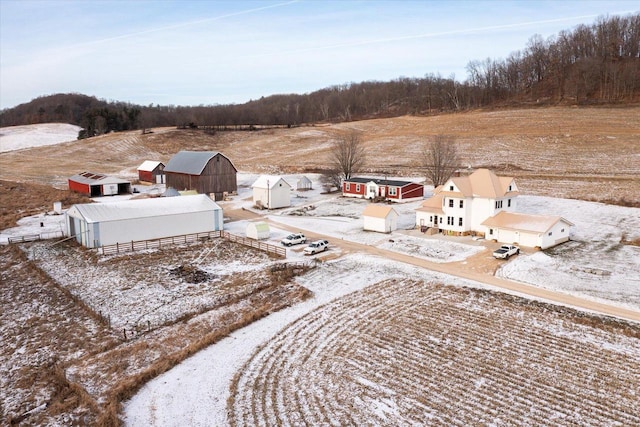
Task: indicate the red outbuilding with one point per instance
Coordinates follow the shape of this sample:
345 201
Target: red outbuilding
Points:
151 171
96 185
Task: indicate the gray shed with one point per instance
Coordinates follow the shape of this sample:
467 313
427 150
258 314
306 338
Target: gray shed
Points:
304 183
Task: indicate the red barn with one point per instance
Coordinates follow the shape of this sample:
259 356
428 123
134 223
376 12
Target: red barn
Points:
96 185
151 171
393 190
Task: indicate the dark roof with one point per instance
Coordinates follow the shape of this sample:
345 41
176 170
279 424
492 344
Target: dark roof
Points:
390 182
191 162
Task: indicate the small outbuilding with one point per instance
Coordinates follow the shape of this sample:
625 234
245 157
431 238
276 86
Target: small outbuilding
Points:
304 184
258 230
206 172
536 231
151 171
99 224
380 218
271 192
97 185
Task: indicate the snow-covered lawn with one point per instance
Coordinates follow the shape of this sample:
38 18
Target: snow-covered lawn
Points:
28 136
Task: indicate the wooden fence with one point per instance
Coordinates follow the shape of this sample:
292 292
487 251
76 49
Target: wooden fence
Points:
35 237
189 238
266 247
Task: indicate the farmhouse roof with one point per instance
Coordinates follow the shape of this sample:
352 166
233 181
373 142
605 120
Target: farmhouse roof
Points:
389 182
143 208
432 204
523 222
149 165
268 181
482 183
191 162
91 178
378 211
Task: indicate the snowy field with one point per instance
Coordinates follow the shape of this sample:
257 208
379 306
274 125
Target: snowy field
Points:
18 137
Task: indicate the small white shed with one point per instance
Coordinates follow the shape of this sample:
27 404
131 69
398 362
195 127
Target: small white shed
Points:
271 192
535 231
258 230
380 218
100 224
304 184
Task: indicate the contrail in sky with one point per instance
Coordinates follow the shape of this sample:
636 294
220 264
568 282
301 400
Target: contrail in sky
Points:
184 24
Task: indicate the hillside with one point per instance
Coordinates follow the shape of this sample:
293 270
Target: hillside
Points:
568 152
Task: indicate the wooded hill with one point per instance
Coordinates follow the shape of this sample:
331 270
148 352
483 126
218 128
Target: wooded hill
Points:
592 64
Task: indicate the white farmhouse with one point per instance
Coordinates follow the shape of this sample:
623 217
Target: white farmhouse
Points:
271 192
380 218
100 224
538 231
461 205
484 204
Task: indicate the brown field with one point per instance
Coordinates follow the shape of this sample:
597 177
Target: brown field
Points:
569 152
405 352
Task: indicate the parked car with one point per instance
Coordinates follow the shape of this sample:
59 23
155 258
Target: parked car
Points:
294 239
505 251
317 246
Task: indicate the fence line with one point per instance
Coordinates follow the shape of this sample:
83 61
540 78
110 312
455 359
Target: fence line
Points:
35 237
189 238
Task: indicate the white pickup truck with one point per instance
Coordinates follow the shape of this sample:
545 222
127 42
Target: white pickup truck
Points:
315 247
505 251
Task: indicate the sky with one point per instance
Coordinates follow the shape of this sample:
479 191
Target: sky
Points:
229 52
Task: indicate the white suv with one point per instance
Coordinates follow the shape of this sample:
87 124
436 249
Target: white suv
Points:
294 239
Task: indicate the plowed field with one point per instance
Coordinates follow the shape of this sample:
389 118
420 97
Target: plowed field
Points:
410 353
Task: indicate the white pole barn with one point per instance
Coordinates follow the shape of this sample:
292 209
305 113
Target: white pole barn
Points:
100 224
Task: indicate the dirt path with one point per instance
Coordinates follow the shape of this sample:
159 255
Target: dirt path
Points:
475 268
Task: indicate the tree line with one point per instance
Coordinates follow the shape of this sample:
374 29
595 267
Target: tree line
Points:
598 63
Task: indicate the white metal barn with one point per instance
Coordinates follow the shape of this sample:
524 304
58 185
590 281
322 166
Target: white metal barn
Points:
271 192
100 224
258 230
536 231
380 218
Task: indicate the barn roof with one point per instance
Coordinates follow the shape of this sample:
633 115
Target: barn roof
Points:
191 162
268 181
91 178
143 208
378 211
149 165
389 182
523 222
482 183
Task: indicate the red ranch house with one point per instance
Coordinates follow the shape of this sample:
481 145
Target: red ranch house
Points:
371 188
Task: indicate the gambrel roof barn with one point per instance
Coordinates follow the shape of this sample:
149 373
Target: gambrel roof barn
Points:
206 172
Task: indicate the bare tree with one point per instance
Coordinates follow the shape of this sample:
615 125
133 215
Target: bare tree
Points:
440 159
346 157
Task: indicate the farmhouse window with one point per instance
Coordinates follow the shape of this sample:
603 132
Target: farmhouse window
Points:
347 186
562 231
460 221
431 218
550 233
491 231
440 220
393 191
451 188
461 203
450 203
357 188
509 203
